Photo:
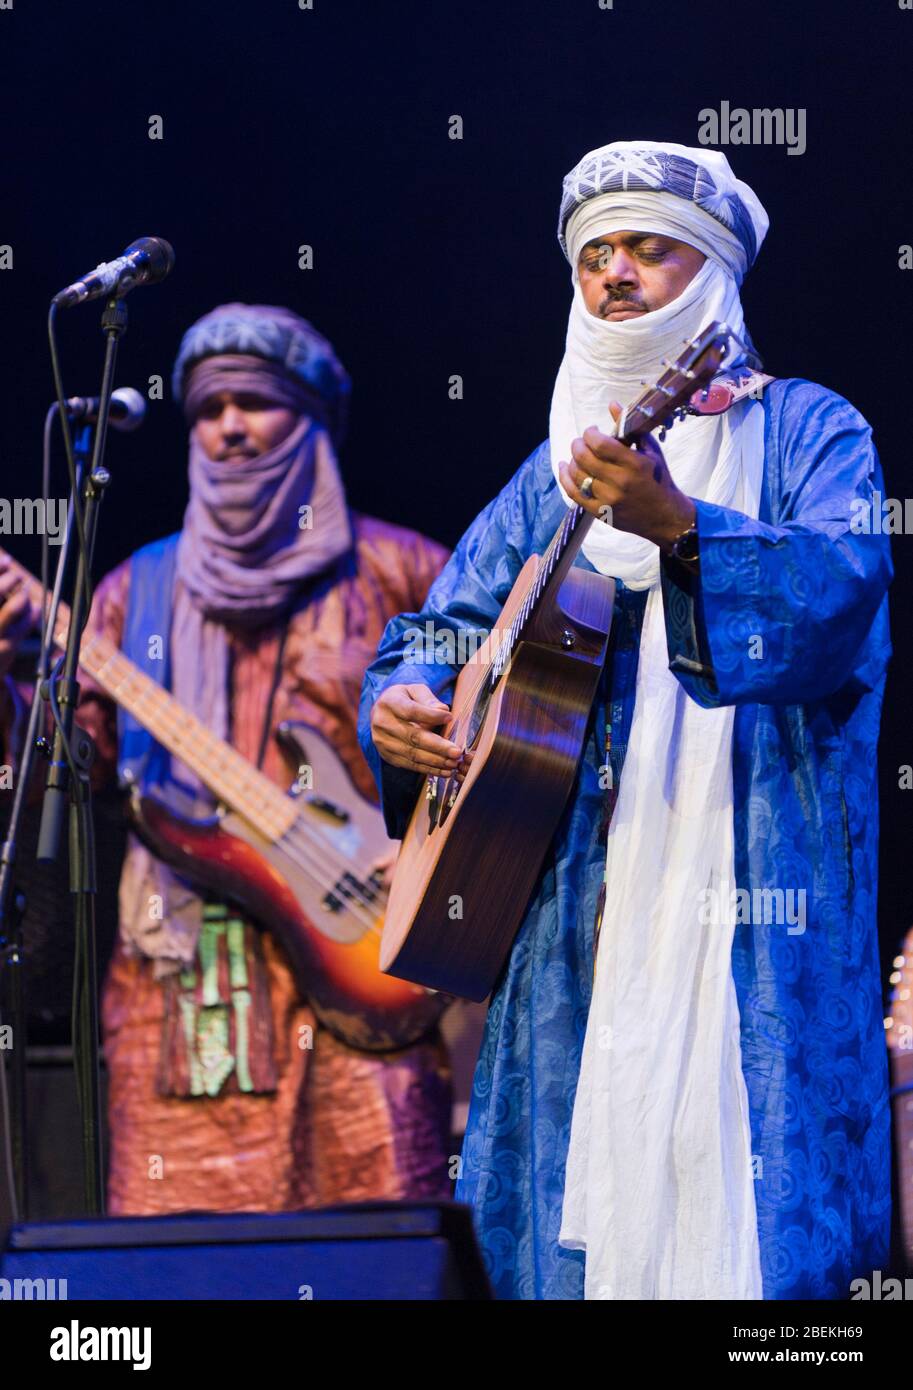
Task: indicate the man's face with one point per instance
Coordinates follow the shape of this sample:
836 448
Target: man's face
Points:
242 425
624 274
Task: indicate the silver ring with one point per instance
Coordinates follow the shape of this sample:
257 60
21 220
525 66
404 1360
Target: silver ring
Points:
586 487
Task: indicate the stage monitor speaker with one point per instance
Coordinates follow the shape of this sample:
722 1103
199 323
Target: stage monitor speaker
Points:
383 1250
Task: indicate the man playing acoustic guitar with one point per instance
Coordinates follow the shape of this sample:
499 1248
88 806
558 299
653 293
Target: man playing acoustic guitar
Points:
705 1115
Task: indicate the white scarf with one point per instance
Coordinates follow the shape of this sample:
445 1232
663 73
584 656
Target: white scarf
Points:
658 1187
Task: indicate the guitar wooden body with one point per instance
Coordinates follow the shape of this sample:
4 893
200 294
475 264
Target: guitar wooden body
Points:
334 957
466 871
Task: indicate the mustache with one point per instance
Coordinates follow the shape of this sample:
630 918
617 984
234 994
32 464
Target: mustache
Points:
612 298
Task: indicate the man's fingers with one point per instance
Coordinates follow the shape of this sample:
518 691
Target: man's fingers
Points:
411 746
603 448
427 716
434 744
414 760
9 582
572 477
410 720
401 725
411 741
417 702
430 767
406 721
463 768
15 615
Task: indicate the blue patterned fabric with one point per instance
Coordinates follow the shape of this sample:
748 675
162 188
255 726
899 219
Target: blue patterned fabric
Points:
808 597
275 334
649 167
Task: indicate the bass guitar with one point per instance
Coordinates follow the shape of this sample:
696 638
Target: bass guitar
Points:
298 863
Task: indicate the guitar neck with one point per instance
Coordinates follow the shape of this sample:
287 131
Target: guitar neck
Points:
559 555
557 558
228 775
656 407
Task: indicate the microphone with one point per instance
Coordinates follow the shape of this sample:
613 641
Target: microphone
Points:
127 412
145 262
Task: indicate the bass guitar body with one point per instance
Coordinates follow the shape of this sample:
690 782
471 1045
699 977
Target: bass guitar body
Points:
473 850
313 888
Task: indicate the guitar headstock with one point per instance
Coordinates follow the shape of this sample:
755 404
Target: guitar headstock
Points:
659 405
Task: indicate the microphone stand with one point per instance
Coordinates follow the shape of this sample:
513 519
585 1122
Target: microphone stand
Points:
68 781
13 905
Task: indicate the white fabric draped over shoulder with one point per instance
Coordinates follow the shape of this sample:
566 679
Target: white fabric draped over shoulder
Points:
659 1185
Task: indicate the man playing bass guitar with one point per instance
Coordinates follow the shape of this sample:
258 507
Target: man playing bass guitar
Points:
265 608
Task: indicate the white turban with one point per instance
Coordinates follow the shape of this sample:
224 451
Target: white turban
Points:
692 192
693 196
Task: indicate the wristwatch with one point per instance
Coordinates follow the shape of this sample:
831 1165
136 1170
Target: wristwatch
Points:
685 547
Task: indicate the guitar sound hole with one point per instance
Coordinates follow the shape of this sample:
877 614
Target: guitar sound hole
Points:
477 718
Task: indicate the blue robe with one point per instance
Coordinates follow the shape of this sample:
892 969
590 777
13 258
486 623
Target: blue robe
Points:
808 701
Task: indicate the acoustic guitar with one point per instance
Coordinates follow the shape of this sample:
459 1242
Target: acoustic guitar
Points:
298 863
899 1035
474 848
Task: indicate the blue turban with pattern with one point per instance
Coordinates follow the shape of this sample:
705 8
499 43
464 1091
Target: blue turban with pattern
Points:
709 207
292 348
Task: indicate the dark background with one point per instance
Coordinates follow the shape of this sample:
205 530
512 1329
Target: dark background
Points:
433 257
